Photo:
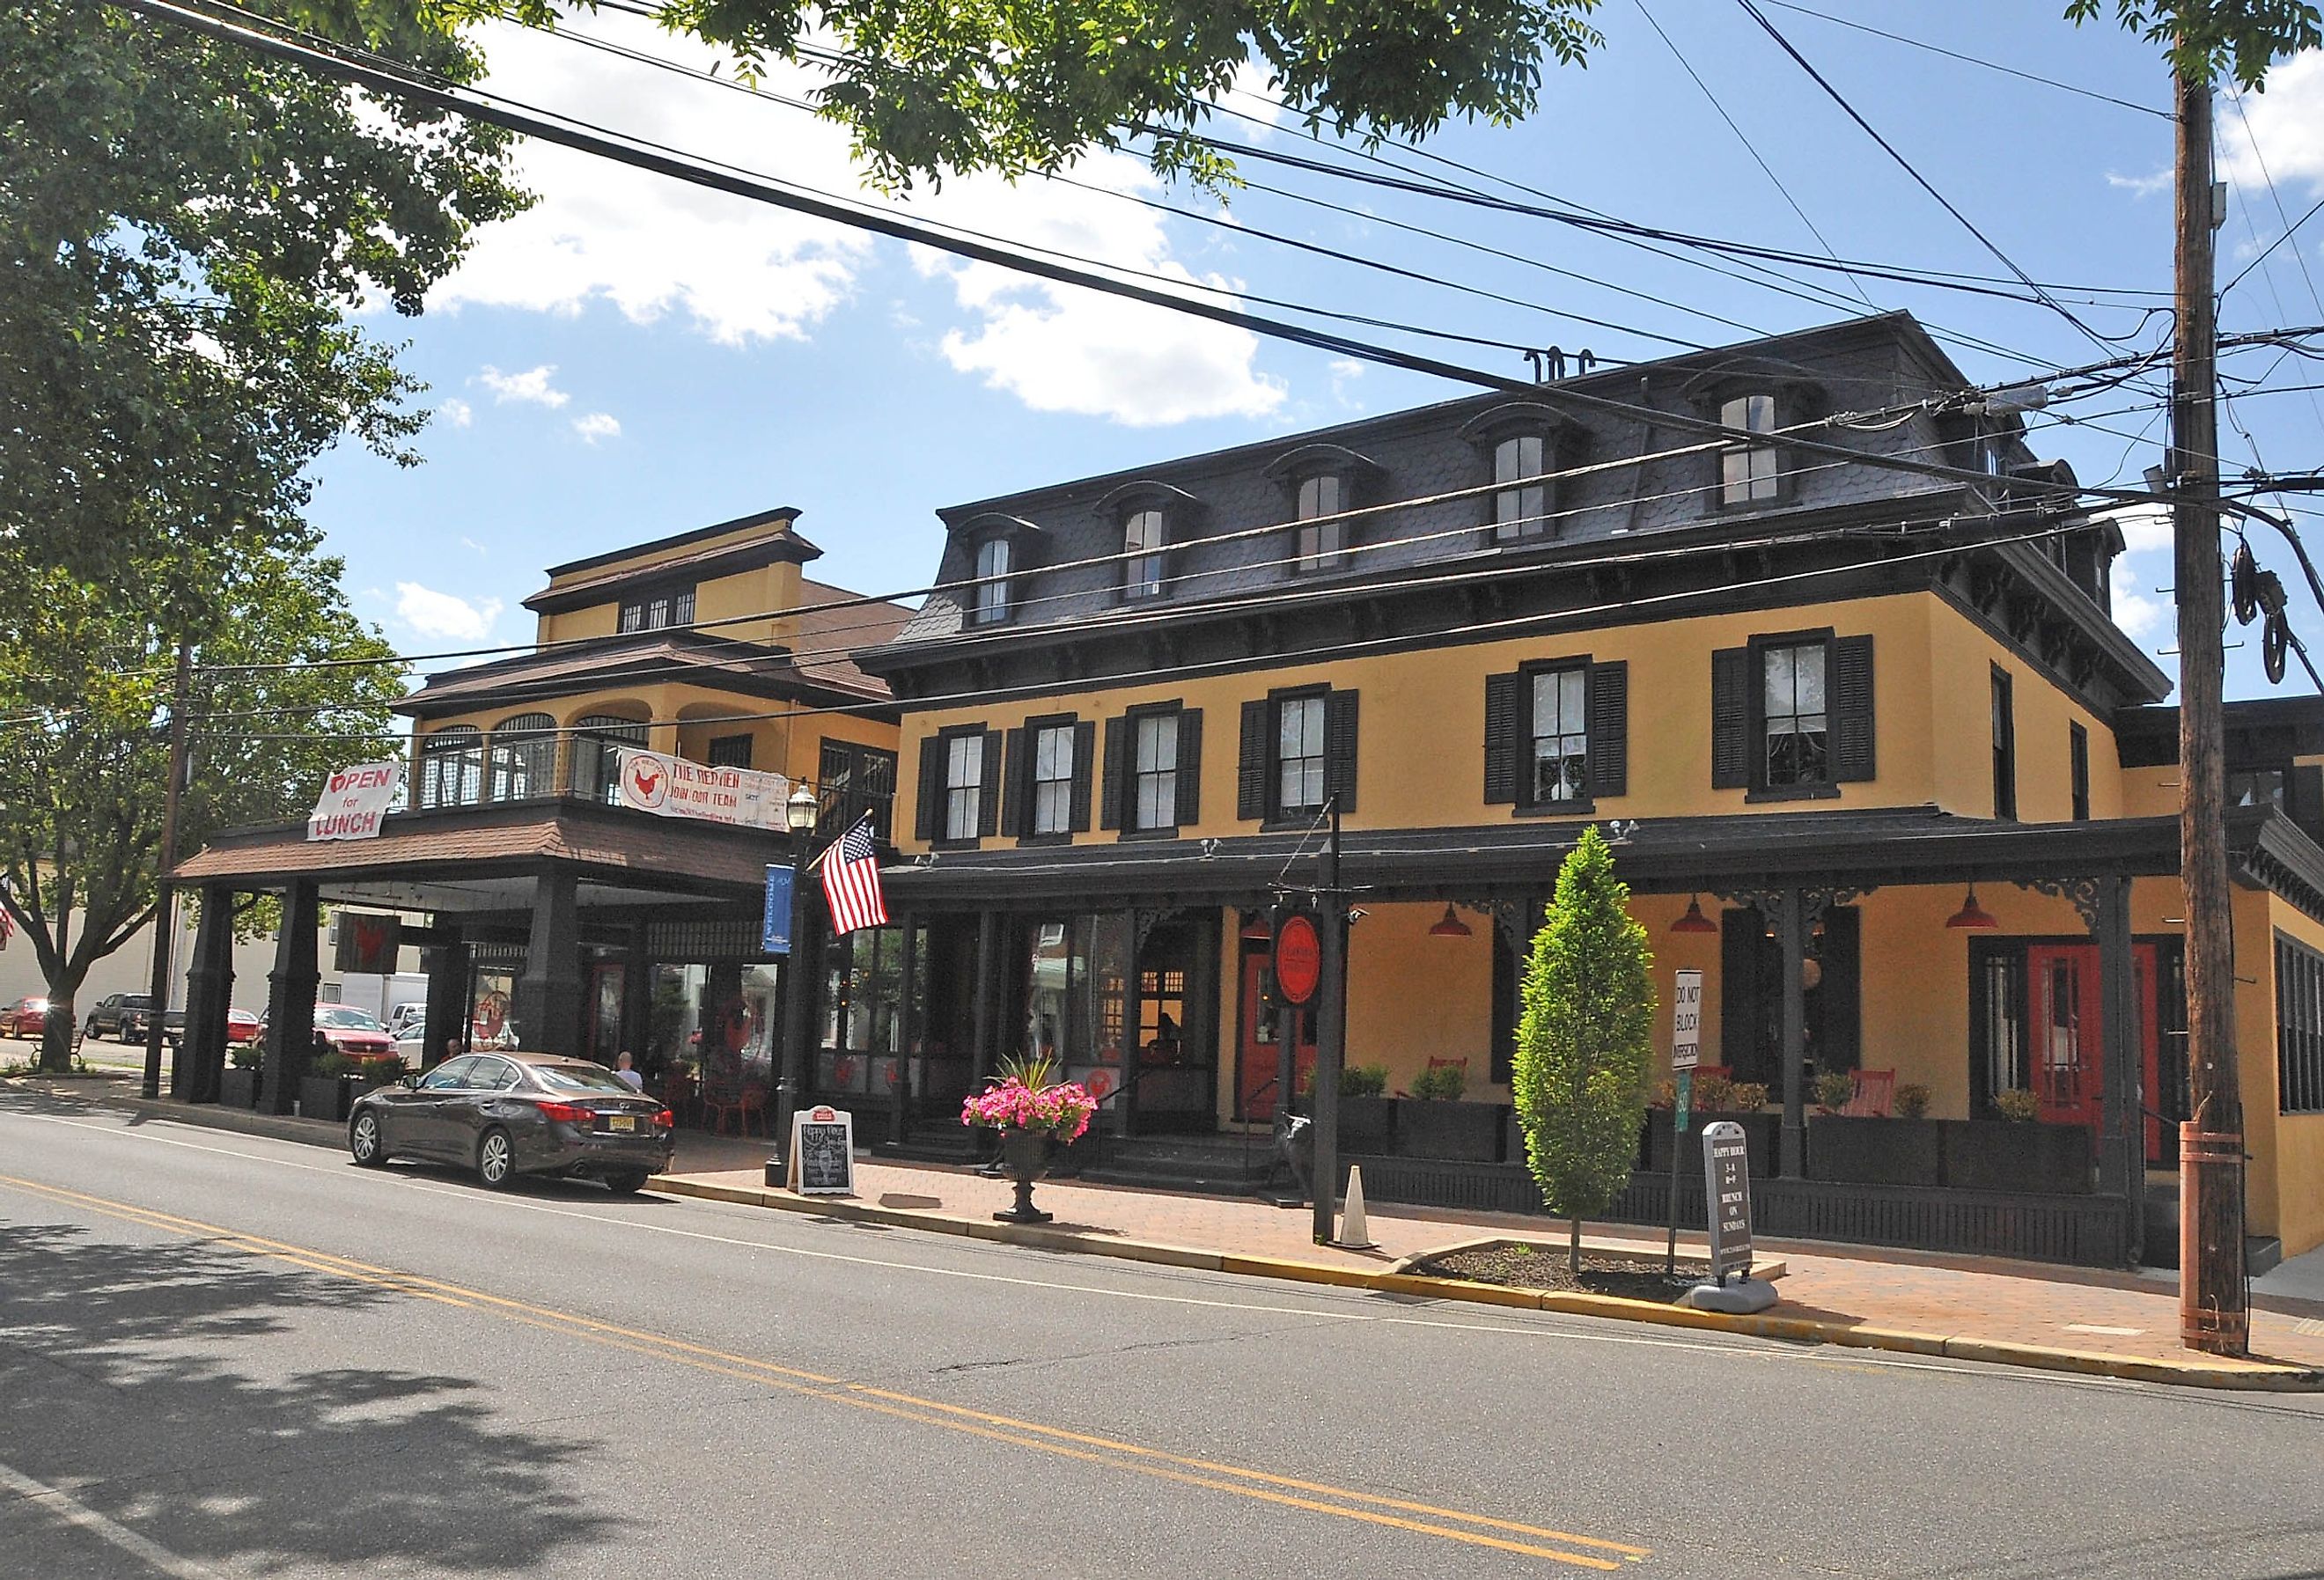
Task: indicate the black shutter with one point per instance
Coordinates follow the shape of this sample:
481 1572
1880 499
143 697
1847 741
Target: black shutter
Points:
927 817
1085 759
1504 738
1609 729
1340 749
1017 786
1250 769
988 798
1839 1011
1118 737
1190 767
2307 799
1742 932
1851 708
1731 718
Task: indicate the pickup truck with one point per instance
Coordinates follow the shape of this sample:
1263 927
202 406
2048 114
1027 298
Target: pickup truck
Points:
112 1016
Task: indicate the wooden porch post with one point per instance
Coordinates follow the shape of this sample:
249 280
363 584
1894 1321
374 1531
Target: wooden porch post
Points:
1791 929
2122 1150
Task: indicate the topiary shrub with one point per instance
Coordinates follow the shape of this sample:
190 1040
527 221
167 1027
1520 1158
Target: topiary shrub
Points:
1585 1041
1363 1080
1833 1089
1912 1101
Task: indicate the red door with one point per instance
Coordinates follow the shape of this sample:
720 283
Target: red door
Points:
1256 1049
2065 1041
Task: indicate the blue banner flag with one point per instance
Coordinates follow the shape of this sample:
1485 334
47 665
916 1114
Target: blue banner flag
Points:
775 933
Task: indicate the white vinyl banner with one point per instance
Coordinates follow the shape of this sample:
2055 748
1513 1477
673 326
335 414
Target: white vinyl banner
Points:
671 787
354 800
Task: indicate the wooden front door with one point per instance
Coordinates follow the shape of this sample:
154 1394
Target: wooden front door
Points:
2065 1041
1257 1051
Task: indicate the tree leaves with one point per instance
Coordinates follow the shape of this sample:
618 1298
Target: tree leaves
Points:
2203 38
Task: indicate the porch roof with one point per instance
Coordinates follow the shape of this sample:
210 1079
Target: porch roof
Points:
1861 849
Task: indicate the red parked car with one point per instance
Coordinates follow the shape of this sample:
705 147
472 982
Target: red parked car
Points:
351 1031
24 1017
242 1026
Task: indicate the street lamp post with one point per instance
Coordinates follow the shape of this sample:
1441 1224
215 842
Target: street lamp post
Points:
800 812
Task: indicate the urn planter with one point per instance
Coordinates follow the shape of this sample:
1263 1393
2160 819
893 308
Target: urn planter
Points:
1876 1151
1455 1131
237 1087
326 1098
1024 1153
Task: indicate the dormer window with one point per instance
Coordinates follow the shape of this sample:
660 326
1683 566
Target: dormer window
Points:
657 610
989 600
1143 535
1521 440
1322 528
1749 474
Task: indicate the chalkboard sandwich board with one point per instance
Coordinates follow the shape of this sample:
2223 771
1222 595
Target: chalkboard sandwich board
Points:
823 1152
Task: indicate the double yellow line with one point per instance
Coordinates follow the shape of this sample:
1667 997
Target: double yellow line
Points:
1135 1459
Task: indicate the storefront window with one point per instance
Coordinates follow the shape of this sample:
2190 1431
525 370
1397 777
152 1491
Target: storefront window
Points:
1076 999
862 1034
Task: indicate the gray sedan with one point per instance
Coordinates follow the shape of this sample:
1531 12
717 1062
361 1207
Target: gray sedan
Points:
509 1114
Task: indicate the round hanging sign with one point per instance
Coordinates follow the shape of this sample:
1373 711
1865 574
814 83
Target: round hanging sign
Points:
1298 958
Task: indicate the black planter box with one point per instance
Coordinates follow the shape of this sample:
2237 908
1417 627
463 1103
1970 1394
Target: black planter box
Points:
237 1089
2000 1154
1458 1131
326 1098
1366 1126
1764 1131
1876 1151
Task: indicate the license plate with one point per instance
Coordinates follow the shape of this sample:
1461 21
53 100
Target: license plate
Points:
627 1122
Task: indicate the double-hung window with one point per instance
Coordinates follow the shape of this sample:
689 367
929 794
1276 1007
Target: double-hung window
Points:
1322 528
1053 780
1298 756
1560 735
1521 509
657 610
1142 538
989 600
1155 773
964 786
1794 732
1749 474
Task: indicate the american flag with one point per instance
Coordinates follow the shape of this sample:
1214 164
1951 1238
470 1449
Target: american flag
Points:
851 879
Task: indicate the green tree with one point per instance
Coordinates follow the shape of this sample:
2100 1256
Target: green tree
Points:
186 231
930 87
84 738
1585 1041
2204 38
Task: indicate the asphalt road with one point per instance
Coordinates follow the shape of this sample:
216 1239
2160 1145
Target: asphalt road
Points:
226 1356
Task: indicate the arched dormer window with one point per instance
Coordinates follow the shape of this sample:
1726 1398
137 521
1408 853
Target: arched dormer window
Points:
989 600
451 767
999 550
1520 440
522 761
1152 516
1325 481
1754 398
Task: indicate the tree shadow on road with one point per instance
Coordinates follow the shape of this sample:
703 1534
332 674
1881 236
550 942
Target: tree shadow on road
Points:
160 1384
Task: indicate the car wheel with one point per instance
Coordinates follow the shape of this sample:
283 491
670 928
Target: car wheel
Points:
363 1140
629 1182
496 1159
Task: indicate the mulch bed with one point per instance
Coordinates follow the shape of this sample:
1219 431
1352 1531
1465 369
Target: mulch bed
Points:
1543 1267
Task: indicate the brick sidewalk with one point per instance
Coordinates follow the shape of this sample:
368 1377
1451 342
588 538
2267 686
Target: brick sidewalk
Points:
1985 1299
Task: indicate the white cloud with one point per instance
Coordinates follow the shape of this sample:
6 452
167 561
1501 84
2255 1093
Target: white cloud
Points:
1063 348
445 614
530 387
455 412
472 543
2136 610
2286 123
2140 186
2145 526
741 272
595 426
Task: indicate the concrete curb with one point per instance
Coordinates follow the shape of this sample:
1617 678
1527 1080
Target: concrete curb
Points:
2247 1376
2228 1375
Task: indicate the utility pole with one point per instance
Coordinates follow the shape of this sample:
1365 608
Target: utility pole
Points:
1331 1035
2214 1315
165 914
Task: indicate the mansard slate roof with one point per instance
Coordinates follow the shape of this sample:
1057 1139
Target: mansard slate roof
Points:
1863 366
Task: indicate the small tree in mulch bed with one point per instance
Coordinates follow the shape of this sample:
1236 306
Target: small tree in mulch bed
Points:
1585 1041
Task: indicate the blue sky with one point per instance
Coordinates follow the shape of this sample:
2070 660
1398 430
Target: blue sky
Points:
636 357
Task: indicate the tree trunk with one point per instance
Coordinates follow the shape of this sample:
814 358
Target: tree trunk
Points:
1573 1246
56 1033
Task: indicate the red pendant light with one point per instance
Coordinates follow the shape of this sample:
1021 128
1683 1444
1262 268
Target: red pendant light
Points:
1449 927
1972 915
1694 921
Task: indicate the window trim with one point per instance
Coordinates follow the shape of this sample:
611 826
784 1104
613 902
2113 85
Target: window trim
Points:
1587 802
1134 587
2077 772
2002 714
993 601
943 839
1760 789
1322 561
1136 717
1033 727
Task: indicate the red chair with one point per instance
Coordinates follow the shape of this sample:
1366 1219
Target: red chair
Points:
1873 1094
